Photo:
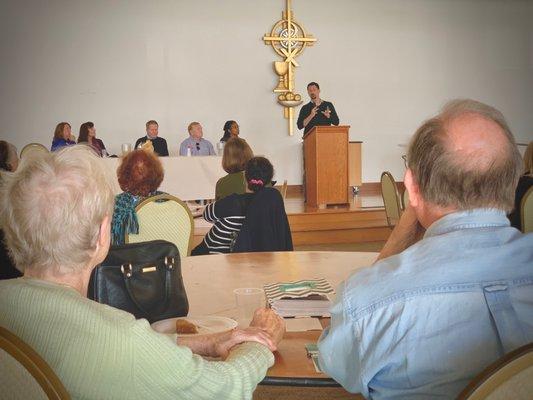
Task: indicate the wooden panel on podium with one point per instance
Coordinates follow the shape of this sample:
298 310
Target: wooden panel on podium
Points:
354 164
326 165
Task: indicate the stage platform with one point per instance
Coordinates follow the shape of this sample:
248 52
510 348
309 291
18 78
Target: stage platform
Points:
362 220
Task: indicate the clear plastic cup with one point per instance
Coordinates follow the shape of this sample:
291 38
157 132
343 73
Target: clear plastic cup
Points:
248 300
220 148
126 148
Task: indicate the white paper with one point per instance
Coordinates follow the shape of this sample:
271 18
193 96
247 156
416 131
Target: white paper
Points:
302 324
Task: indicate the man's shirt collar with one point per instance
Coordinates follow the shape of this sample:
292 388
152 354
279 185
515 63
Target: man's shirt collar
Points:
477 218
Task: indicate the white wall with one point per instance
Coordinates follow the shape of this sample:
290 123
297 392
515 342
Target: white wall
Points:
386 64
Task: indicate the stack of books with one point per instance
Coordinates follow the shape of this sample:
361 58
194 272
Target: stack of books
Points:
304 298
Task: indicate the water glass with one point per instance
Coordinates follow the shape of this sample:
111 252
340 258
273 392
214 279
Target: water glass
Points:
126 148
248 300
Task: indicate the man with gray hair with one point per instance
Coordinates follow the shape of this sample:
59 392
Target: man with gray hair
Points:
452 290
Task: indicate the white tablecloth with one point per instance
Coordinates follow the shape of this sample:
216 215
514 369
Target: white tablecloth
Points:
188 178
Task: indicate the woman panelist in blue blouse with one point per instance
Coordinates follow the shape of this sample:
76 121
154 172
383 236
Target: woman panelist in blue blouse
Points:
62 136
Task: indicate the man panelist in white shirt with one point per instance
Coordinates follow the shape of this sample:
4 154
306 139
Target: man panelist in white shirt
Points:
195 144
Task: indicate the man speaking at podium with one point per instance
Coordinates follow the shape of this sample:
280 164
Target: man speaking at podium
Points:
317 111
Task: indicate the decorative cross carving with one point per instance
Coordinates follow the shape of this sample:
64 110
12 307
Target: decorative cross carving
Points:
288 39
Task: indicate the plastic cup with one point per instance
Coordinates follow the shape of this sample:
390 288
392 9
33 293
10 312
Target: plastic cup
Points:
126 148
220 148
248 300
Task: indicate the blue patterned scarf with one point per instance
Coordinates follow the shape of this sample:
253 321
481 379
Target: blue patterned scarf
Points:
124 216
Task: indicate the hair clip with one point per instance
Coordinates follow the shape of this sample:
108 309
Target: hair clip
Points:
256 182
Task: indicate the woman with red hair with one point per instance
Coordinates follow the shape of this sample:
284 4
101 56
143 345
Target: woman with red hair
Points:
139 175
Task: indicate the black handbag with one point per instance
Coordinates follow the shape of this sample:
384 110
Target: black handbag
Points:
143 279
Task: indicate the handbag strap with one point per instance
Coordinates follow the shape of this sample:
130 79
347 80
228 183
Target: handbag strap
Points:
127 272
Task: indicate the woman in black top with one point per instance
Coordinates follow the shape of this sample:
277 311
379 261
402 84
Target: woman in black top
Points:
233 212
231 129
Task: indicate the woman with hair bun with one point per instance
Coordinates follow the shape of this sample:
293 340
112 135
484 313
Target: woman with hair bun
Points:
230 213
266 227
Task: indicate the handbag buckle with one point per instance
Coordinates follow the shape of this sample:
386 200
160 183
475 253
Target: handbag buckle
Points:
169 262
126 270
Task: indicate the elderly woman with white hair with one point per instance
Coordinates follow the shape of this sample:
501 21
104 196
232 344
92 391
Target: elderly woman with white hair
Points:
96 350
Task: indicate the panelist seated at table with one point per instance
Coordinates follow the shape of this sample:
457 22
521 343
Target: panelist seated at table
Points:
195 144
140 174
437 309
62 136
152 134
231 130
97 351
88 135
236 154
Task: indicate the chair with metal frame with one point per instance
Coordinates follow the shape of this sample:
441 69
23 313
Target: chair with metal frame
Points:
167 218
24 374
391 198
526 211
511 377
32 148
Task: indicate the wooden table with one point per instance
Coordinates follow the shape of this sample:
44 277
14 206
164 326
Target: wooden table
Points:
210 281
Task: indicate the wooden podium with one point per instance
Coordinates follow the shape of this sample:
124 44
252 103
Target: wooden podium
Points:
326 165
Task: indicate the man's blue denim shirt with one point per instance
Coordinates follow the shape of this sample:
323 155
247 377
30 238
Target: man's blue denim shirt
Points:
423 323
